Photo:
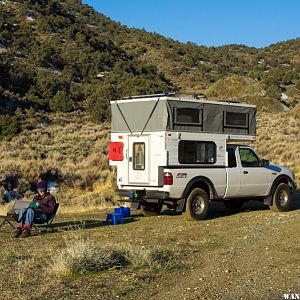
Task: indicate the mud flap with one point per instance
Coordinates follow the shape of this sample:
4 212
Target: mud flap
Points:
268 201
180 205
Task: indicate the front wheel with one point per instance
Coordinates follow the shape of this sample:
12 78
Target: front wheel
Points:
282 198
196 205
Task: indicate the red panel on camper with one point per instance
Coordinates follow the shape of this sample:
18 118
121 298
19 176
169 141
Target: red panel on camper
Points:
115 151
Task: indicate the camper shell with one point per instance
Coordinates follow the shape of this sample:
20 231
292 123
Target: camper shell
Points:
175 150
169 113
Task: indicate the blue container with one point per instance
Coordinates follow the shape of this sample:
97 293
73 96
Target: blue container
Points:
123 210
126 212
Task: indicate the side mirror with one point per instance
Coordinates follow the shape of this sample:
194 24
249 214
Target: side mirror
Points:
265 162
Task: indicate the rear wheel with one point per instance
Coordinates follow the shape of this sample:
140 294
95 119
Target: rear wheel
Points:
196 205
233 203
151 209
282 198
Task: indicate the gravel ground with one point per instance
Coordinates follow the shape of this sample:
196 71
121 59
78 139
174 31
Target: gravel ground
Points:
252 253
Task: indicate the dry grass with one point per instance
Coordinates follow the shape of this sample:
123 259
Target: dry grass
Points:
234 87
74 151
82 257
4 209
75 199
278 139
153 258
71 150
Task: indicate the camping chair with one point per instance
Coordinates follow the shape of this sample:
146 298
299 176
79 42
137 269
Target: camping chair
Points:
48 223
10 218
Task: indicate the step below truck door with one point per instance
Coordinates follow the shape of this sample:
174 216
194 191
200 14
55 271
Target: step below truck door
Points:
138 159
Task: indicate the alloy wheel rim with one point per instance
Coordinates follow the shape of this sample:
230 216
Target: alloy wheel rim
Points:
283 197
198 205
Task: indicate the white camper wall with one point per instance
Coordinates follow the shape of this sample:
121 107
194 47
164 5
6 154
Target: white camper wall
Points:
156 157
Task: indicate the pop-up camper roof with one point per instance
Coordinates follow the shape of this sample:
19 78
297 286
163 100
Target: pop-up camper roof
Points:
182 114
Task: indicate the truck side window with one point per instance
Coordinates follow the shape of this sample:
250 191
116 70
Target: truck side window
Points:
248 158
138 156
231 158
196 152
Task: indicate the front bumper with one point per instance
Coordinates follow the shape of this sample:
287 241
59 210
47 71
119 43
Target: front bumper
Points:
143 194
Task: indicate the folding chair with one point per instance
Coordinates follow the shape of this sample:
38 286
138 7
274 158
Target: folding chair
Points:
48 223
10 218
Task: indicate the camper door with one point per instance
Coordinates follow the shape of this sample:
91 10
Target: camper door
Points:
138 159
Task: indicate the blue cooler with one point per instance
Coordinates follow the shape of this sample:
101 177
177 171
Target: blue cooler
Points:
123 210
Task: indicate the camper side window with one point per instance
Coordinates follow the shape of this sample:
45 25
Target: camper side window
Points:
188 116
195 152
138 156
234 119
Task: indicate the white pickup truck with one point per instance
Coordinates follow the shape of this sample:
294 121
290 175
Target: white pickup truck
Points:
179 152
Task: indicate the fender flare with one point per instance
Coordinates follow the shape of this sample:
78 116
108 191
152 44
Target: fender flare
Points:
275 183
212 191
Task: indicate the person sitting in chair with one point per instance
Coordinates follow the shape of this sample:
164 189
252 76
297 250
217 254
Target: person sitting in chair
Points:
40 210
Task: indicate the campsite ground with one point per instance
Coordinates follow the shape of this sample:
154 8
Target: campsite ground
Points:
250 254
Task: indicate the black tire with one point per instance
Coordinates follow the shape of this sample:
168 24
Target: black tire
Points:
196 206
151 209
233 204
282 198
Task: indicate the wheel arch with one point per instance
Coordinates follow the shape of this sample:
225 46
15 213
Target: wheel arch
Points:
280 179
203 183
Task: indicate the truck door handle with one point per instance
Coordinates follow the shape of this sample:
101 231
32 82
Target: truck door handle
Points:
130 159
245 172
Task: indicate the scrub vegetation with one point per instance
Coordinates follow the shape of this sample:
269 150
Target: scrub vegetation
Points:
61 56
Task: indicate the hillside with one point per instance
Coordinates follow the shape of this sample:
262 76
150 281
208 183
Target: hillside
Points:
64 56
61 62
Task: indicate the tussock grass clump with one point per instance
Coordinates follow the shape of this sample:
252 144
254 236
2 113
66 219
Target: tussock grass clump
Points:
155 259
84 257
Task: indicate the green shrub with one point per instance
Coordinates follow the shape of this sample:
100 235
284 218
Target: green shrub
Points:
61 102
9 126
30 113
274 91
98 103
